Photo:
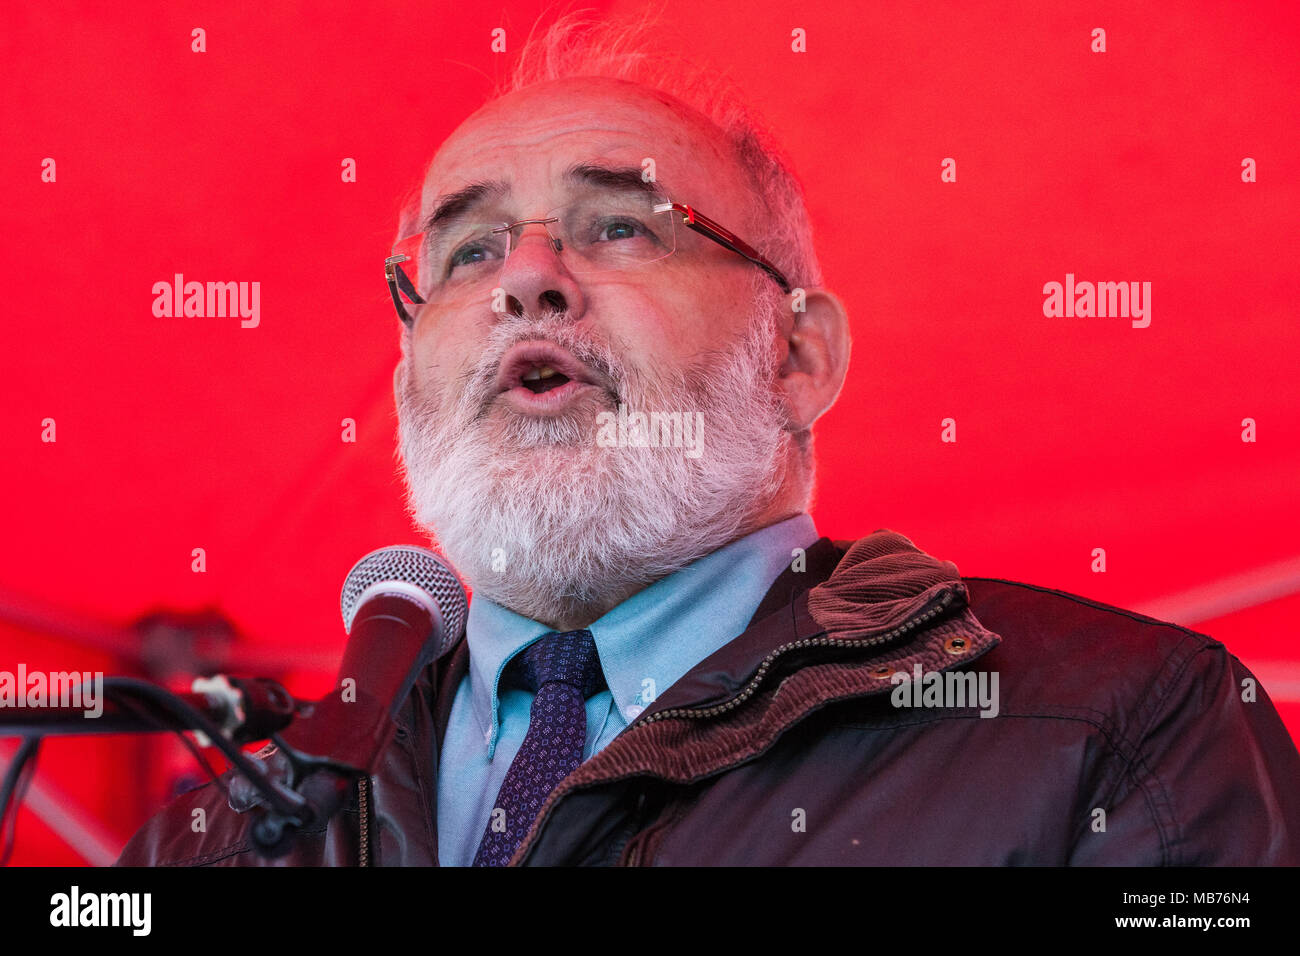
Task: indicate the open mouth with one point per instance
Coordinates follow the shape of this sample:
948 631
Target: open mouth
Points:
531 371
543 378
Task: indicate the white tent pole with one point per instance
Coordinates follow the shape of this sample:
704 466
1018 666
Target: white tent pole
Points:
96 845
1226 595
1237 593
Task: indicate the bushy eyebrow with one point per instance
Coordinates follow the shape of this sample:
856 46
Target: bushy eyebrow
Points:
456 205
622 179
615 179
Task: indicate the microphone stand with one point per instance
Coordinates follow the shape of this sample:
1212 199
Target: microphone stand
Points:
393 594
224 711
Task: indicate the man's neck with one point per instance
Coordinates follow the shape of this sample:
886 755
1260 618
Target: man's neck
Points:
588 613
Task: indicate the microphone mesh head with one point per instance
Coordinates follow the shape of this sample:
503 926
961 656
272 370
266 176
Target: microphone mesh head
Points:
415 566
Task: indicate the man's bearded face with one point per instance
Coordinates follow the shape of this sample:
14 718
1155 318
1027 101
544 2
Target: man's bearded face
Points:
543 518
522 490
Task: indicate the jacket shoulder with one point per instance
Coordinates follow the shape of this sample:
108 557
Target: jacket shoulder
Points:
1067 628
197 828
1068 655
1198 747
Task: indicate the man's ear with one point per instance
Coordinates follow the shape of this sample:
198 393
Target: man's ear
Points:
399 381
817 357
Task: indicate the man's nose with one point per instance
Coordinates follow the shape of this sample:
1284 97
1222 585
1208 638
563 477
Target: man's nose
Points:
534 277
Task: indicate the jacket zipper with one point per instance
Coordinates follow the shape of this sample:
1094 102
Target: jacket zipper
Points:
363 787
629 832
942 602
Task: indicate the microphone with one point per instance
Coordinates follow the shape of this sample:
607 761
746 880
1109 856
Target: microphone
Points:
403 607
403 571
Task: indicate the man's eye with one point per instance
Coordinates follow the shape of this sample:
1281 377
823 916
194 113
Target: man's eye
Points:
470 254
617 229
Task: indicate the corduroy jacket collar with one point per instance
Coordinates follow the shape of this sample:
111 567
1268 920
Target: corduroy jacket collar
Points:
836 626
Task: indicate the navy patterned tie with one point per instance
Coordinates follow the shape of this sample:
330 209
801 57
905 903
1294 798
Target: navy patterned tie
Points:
563 670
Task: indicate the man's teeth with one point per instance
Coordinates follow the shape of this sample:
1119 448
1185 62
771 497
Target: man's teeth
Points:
537 374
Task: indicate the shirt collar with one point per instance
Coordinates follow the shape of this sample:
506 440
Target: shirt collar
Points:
654 637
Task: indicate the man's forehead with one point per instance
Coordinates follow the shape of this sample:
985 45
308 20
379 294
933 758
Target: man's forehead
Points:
528 139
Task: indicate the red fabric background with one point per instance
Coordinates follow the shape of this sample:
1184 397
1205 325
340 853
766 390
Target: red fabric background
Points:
1073 434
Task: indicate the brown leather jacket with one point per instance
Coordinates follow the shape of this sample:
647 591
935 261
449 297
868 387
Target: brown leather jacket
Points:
1118 739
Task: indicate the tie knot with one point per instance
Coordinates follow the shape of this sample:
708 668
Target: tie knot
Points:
567 658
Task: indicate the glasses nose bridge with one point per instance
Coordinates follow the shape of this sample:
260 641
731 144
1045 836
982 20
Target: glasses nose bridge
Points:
551 224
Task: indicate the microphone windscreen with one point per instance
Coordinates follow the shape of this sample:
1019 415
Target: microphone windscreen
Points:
413 567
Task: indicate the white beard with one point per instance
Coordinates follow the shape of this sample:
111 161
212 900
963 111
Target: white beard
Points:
541 519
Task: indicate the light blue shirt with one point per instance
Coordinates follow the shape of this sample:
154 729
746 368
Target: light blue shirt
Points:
645 645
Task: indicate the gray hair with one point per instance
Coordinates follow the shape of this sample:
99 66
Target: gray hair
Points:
580 44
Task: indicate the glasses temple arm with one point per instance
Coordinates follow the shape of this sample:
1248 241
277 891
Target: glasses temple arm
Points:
398 279
725 237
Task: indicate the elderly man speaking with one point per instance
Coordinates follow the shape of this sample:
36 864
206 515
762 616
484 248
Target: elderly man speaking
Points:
615 343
